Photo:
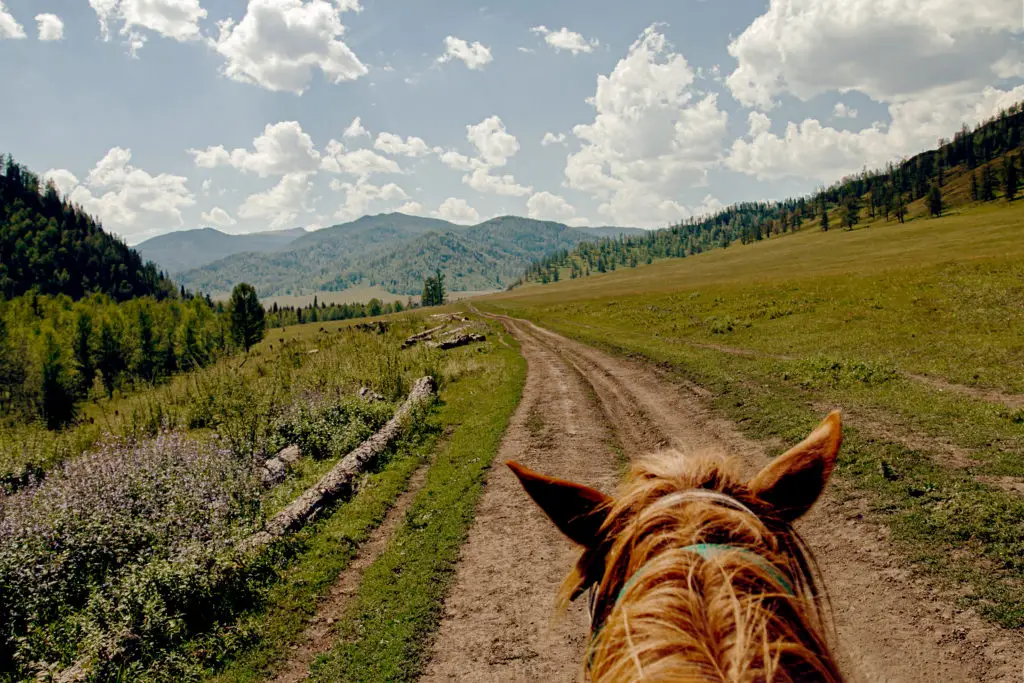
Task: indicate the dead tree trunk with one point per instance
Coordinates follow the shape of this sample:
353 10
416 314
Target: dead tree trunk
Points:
339 480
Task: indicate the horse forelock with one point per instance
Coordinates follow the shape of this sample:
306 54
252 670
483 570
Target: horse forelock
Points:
664 612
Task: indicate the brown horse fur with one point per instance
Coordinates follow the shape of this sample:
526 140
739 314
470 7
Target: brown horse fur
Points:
663 612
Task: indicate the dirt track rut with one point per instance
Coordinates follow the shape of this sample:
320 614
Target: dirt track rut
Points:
581 409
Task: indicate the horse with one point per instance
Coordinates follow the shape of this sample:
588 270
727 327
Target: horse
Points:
694 575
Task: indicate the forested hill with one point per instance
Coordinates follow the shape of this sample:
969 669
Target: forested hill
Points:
397 252
187 249
980 164
50 245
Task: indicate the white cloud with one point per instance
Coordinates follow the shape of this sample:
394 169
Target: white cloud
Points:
526 50
549 207
457 211
411 209
891 50
281 204
361 195
453 159
482 181
64 179
278 44
649 140
475 55
126 199
283 148
564 39
494 144
50 27
218 218
811 150
552 139
389 143
9 26
841 111
361 162
207 184
355 130
177 19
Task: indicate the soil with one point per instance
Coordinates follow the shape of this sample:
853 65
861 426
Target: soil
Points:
582 412
319 636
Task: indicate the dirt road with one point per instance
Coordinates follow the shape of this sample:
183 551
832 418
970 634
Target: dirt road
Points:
582 411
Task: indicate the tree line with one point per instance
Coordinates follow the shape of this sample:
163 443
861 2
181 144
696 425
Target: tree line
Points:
989 152
317 311
52 246
56 352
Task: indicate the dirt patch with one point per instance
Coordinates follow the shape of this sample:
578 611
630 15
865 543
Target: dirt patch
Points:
1015 401
891 626
1008 484
319 636
499 622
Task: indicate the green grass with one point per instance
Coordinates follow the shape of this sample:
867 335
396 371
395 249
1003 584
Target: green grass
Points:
387 633
782 330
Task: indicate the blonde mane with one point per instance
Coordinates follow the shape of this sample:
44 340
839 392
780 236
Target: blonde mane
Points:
663 611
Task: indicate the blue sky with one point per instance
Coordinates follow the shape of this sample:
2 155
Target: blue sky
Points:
162 115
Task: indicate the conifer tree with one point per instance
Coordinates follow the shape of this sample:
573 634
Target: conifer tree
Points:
1009 178
934 201
248 319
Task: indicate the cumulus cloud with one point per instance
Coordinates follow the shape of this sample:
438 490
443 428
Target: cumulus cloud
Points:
355 130
814 151
841 111
279 43
411 209
389 143
176 19
890 51
128 200
50 27
482 181
456 160
475 56
283 148
650 140
494 144
564 39
361 195
549 207
218 218
361 162
9 26
457 211
282 204
552 139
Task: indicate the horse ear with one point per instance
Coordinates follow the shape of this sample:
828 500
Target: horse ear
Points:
578 511
792 482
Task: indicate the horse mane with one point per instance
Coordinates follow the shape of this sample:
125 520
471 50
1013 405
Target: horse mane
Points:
663 612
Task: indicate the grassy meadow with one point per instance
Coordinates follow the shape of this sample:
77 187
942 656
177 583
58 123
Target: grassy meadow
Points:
913 330
117 556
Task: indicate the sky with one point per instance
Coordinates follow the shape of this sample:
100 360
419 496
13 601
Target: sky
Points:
252 115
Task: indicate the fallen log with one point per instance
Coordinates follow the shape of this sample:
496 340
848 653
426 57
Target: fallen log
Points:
458 340
339 480
275 469
420 336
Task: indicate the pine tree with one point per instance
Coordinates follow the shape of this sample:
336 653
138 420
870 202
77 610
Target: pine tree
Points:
934 201
975 192
248 319
110 357
57 392
851 213
988 184
83 351
824 218
1009 178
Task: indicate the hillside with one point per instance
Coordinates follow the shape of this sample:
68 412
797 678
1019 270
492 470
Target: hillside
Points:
52 246
187 249
397 251
979 165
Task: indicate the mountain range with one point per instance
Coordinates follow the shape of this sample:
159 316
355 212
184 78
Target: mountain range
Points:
394 251
184 250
